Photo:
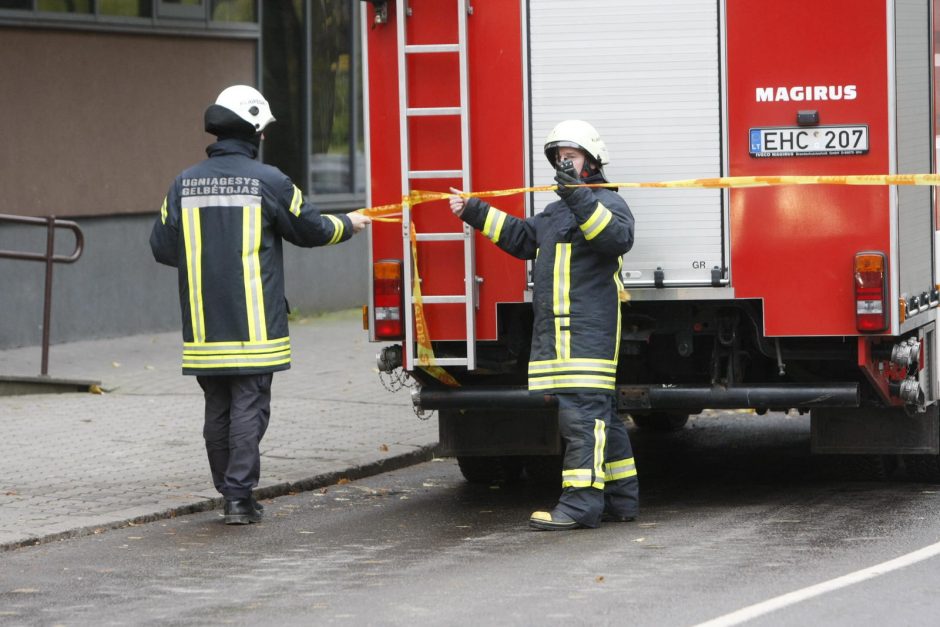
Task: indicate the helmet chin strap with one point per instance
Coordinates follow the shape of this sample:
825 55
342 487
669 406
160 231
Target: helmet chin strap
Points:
589 168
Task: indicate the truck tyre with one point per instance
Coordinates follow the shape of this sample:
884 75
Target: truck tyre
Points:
544 469
660 421
868 467
924 468
489 469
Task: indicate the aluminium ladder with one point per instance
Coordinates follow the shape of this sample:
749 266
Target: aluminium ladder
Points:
468 297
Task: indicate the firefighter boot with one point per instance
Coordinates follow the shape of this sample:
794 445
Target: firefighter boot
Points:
555 520
242 511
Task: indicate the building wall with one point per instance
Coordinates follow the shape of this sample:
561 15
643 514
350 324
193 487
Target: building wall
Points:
99 123
96 126
116 288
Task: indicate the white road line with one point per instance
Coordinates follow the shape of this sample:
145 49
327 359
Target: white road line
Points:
797 596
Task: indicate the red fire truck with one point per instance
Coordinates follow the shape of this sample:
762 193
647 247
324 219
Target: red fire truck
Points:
819 298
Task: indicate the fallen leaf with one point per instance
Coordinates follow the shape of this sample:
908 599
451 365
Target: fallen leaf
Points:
94 388
342 481
599 579
384 448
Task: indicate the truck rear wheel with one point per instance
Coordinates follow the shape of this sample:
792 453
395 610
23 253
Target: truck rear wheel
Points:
544 469
660 421
489 469
924 468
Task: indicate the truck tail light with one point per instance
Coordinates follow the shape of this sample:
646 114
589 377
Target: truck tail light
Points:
387 292
871 292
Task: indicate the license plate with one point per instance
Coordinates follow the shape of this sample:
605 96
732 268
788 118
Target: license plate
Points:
813 141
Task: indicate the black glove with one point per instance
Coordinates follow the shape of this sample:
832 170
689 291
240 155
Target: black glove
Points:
565 180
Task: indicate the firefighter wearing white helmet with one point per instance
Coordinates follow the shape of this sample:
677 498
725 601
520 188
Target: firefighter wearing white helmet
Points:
221 225
576 243
582 136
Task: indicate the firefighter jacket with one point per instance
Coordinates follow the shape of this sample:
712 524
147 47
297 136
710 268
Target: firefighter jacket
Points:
222 224
577 245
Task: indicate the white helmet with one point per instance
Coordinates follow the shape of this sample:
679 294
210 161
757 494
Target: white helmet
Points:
239 111
576 134
248 104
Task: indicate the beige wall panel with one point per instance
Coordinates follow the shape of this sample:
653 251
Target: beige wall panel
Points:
99 123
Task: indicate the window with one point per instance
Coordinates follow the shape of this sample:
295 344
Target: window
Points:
336 146
234 11
65 6
125 8
282 83
187 9
230 18
311 75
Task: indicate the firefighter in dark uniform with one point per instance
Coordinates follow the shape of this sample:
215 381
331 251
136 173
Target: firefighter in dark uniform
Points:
222 224
577 243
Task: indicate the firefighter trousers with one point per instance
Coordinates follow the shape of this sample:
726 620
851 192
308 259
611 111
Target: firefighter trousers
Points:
238 408
599 473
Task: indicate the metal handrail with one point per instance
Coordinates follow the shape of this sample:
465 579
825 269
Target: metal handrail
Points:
49 258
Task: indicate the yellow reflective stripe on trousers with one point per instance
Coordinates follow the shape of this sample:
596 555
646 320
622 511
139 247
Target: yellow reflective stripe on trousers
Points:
561 300
594 478
236 354
576 478
163 213
337 229
600 445
620 469
192 238
597 222
296 201
251 271
493 225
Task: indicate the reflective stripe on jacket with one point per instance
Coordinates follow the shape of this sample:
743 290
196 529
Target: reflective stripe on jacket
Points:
577 245
222 224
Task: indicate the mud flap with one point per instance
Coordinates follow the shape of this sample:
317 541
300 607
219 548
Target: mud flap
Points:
483 432
875 431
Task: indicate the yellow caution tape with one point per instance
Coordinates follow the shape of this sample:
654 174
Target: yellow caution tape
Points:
392 213
425 353
388 213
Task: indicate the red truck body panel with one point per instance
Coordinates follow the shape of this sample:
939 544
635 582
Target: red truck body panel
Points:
794 246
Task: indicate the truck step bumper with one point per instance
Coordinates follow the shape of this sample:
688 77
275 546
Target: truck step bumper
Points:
695 398
692 398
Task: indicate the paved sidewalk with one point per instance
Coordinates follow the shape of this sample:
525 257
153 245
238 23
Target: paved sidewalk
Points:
73 464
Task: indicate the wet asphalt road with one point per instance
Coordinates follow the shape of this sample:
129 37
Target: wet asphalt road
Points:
734 512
